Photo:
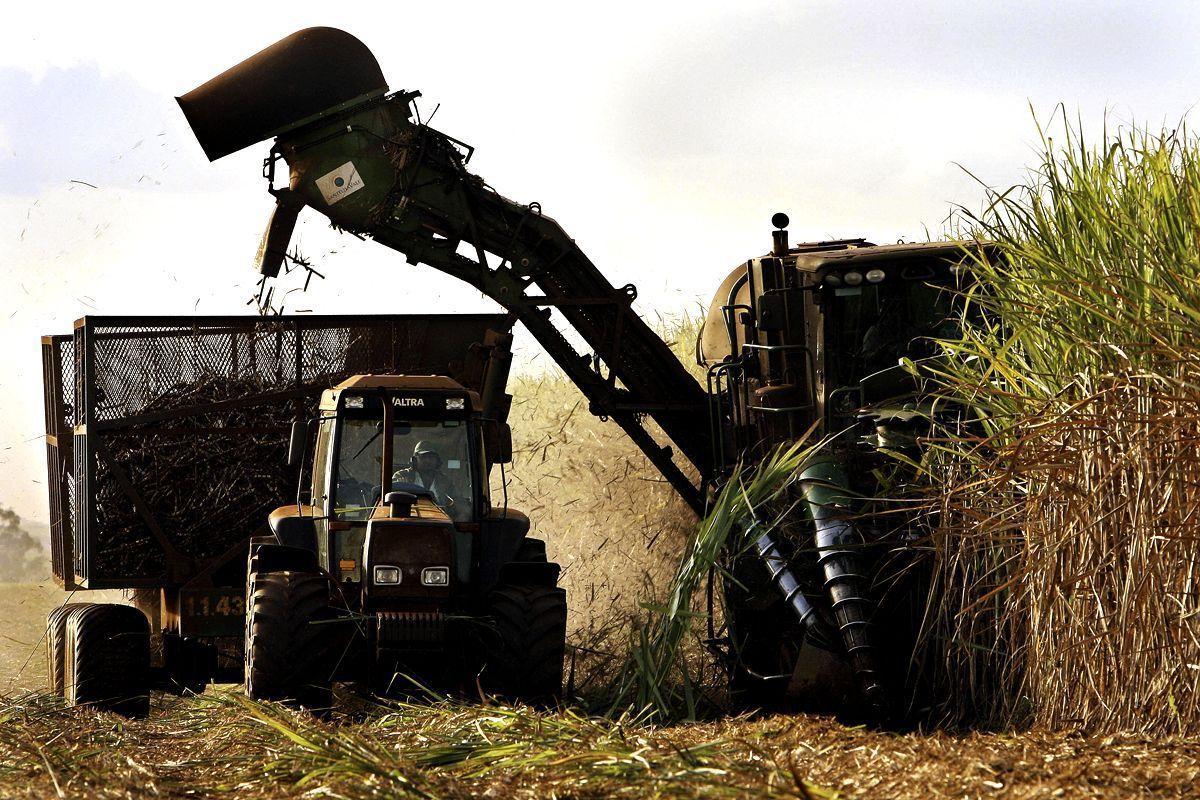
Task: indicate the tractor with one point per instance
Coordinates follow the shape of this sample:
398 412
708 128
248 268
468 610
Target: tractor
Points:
398 573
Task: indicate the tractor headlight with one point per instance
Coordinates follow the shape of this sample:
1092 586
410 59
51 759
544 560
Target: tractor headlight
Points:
387 575
852 278
435 576
832 279
875 275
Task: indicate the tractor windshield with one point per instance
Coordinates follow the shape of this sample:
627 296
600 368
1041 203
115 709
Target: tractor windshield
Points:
428 456
434 456
358 468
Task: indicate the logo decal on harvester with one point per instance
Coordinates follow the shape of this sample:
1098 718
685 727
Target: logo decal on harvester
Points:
340 184
409 402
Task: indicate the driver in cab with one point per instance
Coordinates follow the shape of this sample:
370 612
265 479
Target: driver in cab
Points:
425 471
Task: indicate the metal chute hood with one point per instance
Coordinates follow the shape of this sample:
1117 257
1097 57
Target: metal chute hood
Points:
301 78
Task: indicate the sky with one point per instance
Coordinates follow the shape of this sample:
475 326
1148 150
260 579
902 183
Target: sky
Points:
662 136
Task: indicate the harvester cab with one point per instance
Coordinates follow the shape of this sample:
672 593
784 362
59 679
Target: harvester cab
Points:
394 542
826 334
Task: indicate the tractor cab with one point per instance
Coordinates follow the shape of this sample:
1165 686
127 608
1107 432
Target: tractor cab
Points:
397 559
397 459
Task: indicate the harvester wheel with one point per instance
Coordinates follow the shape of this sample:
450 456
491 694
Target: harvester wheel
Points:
287 656
531 625
765 651
107 658
56 645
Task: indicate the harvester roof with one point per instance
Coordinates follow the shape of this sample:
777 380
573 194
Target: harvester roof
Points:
813 261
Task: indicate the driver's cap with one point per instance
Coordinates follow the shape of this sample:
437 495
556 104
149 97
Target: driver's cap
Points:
422 448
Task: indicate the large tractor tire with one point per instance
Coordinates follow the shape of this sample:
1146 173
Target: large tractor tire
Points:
106 660
530 626
56 646
287 656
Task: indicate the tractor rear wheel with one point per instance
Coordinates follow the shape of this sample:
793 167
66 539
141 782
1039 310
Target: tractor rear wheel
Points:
106 659
530 623
56 646
287 656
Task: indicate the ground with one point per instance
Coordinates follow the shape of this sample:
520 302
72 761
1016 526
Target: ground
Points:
222 745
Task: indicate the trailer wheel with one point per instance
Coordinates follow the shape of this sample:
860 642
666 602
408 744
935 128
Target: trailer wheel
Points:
107 658
287 657
530 623
56 645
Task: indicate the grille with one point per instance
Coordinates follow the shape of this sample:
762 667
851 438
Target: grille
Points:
401 629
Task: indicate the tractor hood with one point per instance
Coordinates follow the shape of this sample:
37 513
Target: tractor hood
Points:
300 79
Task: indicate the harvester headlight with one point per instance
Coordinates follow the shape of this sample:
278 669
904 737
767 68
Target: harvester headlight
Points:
832 279
435 576
852 278
875 275
385 575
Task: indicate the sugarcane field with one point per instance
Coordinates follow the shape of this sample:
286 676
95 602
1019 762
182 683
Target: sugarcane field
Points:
532 400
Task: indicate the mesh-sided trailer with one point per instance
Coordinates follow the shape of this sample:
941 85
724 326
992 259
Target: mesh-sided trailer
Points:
167 436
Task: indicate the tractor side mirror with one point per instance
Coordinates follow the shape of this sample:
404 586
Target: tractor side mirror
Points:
297 442
498 442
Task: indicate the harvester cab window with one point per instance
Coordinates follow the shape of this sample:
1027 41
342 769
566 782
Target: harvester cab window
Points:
871 327
435 456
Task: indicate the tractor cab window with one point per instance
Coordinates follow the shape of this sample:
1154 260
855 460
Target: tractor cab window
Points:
435 456
358 468
428 456
320 464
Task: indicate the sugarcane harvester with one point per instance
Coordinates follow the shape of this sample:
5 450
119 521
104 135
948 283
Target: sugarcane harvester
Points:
362 157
